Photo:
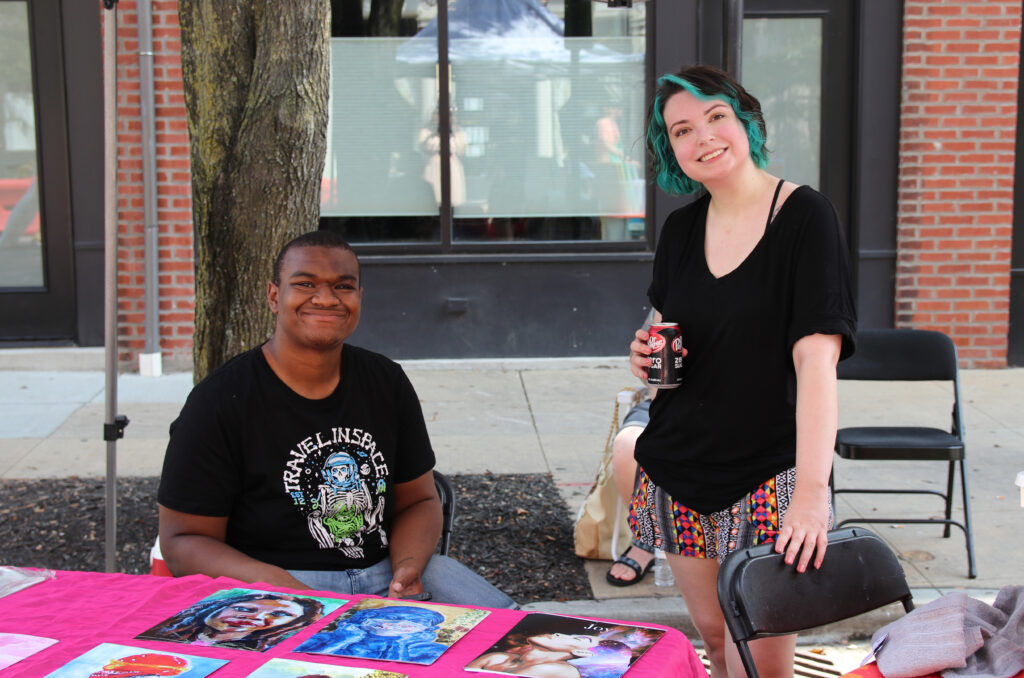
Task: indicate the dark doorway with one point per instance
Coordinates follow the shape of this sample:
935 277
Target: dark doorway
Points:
38 259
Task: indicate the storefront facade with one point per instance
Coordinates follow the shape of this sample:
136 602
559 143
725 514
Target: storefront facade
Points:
536 239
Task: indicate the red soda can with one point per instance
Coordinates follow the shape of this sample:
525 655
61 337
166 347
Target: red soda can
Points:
666 343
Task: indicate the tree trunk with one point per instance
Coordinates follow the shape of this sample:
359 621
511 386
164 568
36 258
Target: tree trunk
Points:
256 77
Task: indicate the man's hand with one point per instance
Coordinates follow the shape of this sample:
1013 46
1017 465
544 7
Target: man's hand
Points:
405 580
415 531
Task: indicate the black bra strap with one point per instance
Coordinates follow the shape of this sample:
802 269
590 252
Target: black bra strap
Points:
775 199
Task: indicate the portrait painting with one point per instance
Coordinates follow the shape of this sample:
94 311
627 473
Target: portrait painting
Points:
121 661
244 619
392 629
293 668
547 645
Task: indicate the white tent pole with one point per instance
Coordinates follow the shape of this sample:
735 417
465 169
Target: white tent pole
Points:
113 425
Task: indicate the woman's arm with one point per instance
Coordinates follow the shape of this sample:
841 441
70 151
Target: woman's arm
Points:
804 531
415 531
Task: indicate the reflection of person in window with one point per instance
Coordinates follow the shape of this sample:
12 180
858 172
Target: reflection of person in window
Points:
613 169
609 139
430 142
21 216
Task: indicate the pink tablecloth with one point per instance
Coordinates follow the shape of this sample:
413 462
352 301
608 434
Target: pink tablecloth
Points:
83 609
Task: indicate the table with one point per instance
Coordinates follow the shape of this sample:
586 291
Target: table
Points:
83 609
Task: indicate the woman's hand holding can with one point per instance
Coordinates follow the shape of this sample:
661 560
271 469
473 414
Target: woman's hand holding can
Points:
639 355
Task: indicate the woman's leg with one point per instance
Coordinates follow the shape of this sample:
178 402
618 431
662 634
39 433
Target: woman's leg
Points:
624 473
773 657
697 580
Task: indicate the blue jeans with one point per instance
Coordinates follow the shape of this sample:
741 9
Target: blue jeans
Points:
447 580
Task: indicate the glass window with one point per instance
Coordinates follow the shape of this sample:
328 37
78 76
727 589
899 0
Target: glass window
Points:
545 105
21 253
782 67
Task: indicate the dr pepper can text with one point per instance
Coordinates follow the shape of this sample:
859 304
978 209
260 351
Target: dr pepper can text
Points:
666 344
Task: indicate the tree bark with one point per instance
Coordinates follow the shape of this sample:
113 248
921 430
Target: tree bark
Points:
256 77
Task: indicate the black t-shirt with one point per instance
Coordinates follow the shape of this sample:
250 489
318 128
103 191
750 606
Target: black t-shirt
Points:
731 425
305 484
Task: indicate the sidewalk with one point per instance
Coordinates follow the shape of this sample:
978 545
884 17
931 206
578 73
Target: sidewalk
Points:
552 416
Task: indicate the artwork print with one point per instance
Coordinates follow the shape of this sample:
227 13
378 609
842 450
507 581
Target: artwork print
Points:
338 481
244 619
16 646
552 645
394 630
291 668
121 661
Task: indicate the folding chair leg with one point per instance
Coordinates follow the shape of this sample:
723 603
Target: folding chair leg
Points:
748 659
972 571
949 496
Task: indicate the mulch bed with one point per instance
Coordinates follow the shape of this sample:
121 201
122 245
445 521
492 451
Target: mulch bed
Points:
513 529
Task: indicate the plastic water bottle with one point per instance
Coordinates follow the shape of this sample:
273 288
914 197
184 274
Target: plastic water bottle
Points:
662 571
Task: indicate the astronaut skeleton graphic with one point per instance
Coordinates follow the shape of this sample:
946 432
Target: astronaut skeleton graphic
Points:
342 496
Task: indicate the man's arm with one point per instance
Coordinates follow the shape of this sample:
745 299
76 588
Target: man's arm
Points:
193 544
415 530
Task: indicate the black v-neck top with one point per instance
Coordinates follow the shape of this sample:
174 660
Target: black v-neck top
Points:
731 425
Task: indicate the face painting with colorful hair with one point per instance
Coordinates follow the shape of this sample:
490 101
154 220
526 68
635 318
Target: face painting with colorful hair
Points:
705 83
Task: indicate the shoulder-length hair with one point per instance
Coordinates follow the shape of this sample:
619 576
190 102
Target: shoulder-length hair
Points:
703 82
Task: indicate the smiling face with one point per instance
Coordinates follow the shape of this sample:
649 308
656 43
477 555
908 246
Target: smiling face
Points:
707 138
318 298
254 615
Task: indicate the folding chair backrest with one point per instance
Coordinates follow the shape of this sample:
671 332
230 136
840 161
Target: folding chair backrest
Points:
901 355
446 494
762 596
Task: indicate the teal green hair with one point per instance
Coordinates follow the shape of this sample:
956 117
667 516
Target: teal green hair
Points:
667 173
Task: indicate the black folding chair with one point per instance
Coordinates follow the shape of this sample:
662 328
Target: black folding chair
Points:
761 596
909 355
447 496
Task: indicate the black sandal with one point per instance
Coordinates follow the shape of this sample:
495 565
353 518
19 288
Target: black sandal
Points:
631 564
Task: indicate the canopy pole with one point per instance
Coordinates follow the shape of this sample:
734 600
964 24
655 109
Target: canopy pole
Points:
113 426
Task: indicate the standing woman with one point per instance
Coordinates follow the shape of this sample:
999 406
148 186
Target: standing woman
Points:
755 273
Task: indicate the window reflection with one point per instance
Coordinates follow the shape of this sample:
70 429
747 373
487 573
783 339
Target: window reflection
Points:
21 255
547 105
783 56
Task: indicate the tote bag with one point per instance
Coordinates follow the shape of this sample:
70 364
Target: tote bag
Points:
601 524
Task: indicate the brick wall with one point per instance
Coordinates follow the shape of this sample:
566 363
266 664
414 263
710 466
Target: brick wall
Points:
176 290
958 127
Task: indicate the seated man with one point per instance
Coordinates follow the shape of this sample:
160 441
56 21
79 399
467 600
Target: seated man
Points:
305 462
635 561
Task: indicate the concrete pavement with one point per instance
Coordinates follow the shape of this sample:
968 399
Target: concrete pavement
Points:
552 416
